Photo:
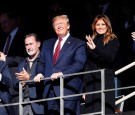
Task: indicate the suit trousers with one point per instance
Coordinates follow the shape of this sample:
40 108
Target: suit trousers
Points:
71 107
3 110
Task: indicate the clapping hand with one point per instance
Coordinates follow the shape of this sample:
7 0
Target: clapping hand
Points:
90 42
133 35
23 75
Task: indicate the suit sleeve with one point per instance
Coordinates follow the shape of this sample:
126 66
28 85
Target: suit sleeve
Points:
79 59
6 77
40 62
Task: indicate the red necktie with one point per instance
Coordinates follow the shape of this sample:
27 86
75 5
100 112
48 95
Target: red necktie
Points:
7 45
57 50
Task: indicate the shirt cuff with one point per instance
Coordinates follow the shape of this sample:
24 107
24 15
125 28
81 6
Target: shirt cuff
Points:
0 76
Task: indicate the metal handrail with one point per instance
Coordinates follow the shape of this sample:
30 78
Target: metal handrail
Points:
124 68
61 93
118 72
61 90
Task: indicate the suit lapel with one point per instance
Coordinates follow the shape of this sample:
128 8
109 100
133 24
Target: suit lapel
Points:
64 48
52 48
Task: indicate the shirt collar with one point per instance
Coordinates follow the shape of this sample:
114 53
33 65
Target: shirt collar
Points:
65 38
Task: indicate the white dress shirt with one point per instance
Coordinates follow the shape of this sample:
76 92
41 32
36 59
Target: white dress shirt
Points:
62 42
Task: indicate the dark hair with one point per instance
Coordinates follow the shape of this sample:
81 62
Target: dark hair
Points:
35 36
11 15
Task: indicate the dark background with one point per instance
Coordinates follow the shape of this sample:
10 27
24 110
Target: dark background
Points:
36 16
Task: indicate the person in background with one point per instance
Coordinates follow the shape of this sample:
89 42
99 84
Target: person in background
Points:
13 51
26 69
12 28
5 84
70 59
102 50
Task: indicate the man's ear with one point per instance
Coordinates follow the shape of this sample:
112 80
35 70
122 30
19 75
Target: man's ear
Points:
68 27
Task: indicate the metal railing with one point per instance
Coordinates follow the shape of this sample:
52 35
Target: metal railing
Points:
61 97
132 93
102 91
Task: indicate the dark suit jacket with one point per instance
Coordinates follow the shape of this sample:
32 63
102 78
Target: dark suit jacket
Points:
71 59
35 89
16 50
15 55
17 47
5 84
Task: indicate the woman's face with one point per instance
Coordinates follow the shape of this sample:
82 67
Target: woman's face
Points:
101 27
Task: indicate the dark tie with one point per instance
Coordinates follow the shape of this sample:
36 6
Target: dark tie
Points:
57 50
7 45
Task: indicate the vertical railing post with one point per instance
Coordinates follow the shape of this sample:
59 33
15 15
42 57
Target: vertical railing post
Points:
61 95
20 99
102 91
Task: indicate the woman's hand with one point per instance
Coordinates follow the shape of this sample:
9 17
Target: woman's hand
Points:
90 42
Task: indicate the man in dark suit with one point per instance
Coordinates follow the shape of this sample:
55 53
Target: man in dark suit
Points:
5 84
71 59
26 70
10 25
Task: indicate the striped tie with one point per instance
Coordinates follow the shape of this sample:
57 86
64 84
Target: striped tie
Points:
57 50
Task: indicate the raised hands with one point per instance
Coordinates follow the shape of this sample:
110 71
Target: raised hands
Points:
23 75
133 35
90 42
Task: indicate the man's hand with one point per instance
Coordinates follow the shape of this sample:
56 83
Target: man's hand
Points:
38 77
2 56
56 75
23 75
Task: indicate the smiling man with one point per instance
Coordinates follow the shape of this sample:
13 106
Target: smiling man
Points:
26 70
59 56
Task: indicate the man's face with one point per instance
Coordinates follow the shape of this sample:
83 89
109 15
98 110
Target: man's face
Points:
61 27
7 24
32 46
